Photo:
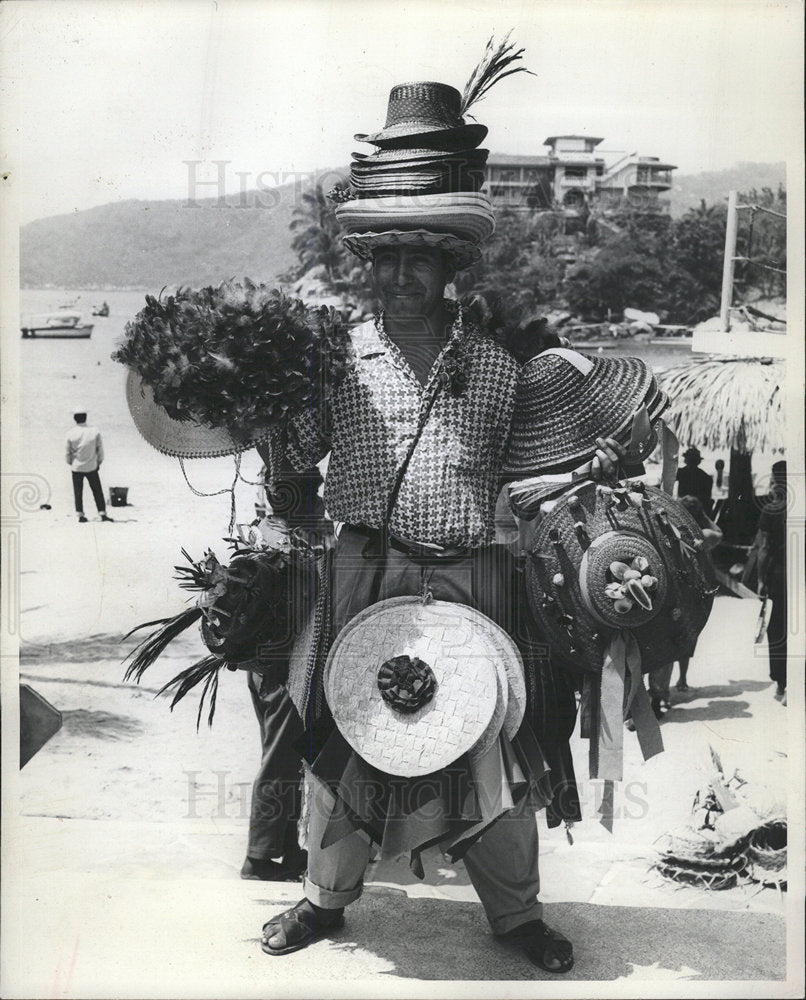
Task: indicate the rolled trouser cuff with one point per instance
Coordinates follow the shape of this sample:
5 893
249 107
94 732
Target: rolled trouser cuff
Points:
330 899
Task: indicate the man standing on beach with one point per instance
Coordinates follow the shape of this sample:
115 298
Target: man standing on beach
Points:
84 454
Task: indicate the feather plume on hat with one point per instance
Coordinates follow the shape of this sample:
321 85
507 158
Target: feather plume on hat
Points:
496 63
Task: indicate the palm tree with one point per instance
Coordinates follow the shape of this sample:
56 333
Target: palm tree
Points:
317 237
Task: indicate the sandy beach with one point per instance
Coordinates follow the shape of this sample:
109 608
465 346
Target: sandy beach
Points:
131 826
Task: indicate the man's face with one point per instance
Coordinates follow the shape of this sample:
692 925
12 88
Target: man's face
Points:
410 281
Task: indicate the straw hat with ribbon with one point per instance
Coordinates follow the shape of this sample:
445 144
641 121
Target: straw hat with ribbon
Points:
413 684
422 185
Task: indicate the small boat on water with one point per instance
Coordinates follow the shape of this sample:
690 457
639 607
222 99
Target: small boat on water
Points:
62 325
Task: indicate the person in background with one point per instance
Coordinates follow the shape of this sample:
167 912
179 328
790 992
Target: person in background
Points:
692 481
772 575
659 680
84 454
273 852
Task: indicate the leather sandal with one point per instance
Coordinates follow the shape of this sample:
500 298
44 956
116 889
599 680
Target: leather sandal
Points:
299 927
544 947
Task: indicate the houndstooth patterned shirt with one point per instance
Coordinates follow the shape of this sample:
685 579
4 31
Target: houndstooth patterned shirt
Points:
449 492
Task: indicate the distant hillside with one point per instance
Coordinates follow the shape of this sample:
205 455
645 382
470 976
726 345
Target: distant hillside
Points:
147 244
154 243
713 186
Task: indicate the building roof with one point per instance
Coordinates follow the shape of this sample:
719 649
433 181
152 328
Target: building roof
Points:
587 138
514 160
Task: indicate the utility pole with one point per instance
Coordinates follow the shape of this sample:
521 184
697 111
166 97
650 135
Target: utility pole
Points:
728 263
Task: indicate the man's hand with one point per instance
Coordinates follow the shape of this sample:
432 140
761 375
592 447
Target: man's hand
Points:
605 466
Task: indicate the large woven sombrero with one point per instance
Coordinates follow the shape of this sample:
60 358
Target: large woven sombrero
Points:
566 400
606 560
462 252
413 686
465 214
180 438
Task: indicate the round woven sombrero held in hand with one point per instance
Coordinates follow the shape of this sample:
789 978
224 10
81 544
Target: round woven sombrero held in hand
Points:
631 558
412 686
566 400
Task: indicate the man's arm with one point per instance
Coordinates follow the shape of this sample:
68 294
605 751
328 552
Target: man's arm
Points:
70 452
99 448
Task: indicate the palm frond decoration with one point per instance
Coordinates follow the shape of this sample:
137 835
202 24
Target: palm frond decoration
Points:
246 611
150 649
205 671
727 404
496 63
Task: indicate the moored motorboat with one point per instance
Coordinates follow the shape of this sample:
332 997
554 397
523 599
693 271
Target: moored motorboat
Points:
68 325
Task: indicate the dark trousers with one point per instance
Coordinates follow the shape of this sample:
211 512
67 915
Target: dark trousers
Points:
95 485
777 630
276 791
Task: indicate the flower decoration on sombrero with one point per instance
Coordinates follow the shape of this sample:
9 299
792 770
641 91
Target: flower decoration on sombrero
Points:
422 185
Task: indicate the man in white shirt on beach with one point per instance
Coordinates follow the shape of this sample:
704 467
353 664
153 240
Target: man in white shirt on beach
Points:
84 454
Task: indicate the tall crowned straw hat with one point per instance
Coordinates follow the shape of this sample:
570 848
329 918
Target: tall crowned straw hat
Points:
414 685
422 186
565 400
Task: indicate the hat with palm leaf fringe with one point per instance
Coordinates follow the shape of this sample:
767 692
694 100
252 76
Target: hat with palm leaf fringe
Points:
422 186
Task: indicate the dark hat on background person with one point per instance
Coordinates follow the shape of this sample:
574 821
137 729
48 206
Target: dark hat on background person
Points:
693 454
566 400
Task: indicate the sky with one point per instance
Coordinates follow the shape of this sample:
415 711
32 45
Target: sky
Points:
104 100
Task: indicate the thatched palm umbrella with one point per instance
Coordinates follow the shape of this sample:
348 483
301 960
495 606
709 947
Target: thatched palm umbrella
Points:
729 403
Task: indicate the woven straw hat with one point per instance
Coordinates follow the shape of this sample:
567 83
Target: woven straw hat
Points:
427 111
456 222
390 158
566 400
466 214
577 582
460 648
180 438
364 245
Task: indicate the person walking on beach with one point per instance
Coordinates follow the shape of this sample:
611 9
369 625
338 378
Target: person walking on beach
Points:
84 454
659 681
692 481
772 575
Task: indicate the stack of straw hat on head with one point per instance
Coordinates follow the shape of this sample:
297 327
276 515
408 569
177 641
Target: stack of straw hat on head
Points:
422 185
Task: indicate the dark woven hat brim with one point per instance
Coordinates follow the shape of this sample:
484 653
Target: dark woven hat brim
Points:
388 158
427 137
560 412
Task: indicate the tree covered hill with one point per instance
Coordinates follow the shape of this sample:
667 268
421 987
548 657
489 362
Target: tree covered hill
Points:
147 244
690 190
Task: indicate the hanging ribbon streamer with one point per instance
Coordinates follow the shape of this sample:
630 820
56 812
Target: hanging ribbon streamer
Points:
622 690
671 447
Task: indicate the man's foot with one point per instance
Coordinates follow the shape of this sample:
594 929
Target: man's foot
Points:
546 948
682 686
780 693
82 519
298 927
660 706
106 517
290 869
